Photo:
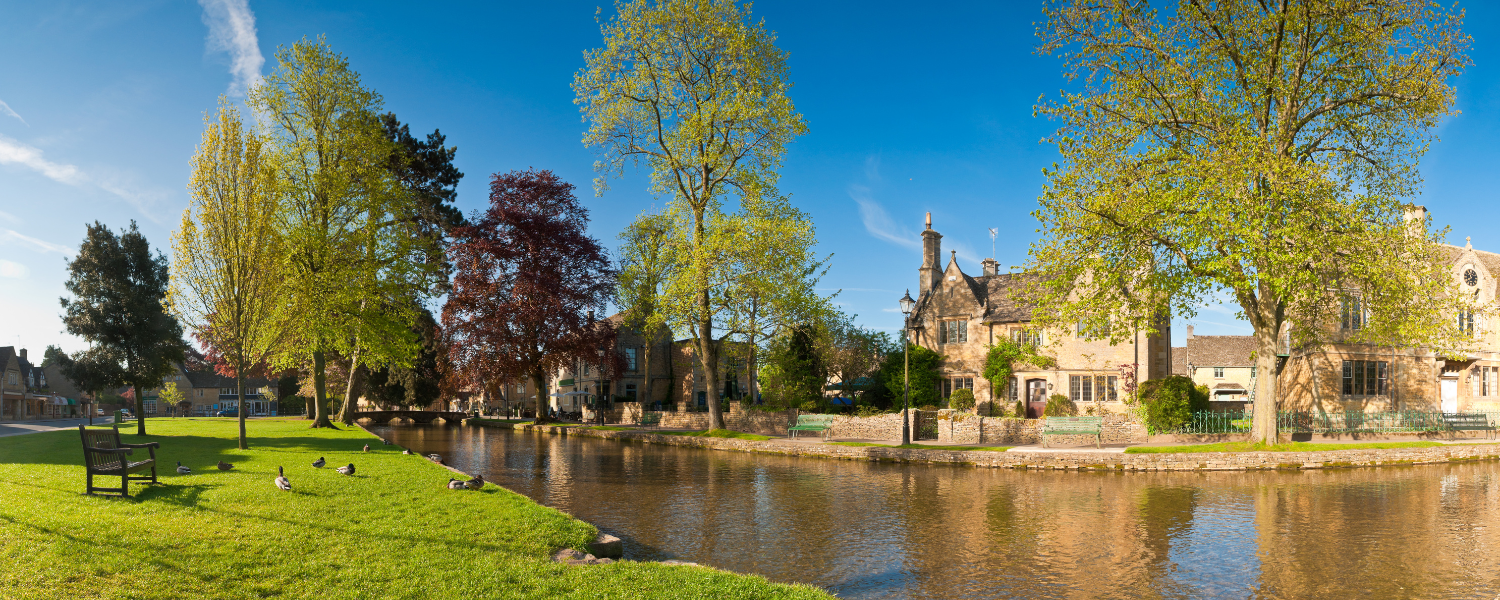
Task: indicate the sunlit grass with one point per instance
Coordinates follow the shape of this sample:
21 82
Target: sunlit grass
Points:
391 531
924 447
1261 447
719 433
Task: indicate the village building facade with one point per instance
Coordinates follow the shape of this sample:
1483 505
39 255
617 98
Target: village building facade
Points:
1224 364
960 317
209 393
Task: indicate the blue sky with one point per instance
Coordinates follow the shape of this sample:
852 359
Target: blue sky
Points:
909 111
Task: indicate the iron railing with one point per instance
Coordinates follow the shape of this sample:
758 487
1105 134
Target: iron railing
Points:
1400 421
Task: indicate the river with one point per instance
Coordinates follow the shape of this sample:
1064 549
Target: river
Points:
879 530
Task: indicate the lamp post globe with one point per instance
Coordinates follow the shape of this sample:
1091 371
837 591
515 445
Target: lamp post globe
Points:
907 305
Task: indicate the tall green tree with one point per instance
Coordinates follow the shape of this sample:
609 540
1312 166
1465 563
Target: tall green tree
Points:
696 91
227 280
119 293
1263 150
355 259
646 267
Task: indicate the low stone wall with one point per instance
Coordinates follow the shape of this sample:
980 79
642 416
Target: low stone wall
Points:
964 428
1073 460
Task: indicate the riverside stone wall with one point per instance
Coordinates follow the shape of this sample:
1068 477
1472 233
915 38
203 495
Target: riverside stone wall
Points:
964 428
1070 460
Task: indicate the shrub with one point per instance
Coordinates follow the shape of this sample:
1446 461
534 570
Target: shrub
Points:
961 399
1020 410
987 409
1059 406
926 407
1169 403
809 406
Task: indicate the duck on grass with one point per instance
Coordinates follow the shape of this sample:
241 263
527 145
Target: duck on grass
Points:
233 534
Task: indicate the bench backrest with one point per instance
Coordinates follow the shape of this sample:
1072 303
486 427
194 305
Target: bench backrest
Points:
101 438
814 419
650 417
1466 419
1075 420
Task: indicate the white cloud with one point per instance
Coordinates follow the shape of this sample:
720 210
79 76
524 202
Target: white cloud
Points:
879 223
5 109
13 270
231 29
8 237
16 153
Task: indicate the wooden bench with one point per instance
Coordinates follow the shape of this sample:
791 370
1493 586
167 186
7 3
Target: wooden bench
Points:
104 454
1468 422
649 419
1074 426
823 423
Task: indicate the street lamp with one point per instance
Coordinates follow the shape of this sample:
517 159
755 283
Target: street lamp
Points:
907 304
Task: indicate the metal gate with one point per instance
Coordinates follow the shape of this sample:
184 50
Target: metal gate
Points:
925 426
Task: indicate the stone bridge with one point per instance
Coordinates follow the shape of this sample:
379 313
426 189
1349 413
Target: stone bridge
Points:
381 417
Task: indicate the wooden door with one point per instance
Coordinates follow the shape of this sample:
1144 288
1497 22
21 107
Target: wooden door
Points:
1036 398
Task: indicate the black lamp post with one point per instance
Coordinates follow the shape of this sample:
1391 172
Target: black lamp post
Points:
907 304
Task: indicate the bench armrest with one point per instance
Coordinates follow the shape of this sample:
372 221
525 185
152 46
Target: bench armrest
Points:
110 450
145 445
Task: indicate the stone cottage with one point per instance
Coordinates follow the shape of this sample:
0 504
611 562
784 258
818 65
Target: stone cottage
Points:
961 316
1225 364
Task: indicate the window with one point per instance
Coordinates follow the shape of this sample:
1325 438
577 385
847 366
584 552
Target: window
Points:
630 391
1218 372
1093 388
1485 380
955 383
1353 315
1364 378
1466 322
11 377
198 392
1026 337
953 332
1093 331
630 359
1015 389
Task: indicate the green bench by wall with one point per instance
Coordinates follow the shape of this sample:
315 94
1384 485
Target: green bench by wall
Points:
1074 426
822 423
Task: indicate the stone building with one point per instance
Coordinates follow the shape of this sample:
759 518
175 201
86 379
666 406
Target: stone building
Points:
1222 363
1341 376
961 316
210 392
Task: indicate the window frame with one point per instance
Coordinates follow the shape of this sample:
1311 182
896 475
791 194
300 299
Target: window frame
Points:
1364 378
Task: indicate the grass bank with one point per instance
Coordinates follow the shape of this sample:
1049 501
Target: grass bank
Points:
391 531
719 433
924 447
1261 447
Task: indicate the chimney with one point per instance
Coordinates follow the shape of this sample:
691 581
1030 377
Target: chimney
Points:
1189 332
23 355
931 271
1415 218
991 266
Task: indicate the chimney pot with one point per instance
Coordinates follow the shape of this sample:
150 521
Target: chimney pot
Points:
23 354
1189 332
929 220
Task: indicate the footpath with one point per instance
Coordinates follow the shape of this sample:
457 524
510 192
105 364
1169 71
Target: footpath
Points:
1033 457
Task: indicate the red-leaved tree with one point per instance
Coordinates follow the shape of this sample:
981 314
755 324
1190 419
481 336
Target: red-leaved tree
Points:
526 278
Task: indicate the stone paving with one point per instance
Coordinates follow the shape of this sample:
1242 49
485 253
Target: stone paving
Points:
9 428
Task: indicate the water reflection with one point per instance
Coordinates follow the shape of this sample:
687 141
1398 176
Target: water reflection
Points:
873 530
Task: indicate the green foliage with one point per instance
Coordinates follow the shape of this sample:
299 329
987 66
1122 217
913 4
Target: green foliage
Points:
417 385
119 306
1019 410
925 375
1169 403
1002 358
794 373
961 399
1059 405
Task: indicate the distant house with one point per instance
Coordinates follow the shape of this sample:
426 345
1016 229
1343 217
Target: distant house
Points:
28 391
210 393
1222 363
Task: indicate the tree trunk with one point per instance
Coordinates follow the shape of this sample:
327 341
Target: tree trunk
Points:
346 411
540 381
708 357
646 365
140 411
239 387
1264 422
320 397
750 362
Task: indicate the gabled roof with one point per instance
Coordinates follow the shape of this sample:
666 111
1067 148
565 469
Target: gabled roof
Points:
1221 351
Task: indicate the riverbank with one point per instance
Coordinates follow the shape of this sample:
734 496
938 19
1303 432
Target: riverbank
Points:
1064 459
392 530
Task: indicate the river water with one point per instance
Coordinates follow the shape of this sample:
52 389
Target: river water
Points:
877 530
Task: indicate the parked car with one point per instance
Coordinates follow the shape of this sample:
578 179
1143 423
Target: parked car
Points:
233 412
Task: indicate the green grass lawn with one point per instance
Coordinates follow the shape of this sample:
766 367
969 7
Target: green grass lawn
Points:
392 530
924 447
719 433
1260 447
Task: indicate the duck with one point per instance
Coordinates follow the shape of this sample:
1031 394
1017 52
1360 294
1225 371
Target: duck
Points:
385 441
476 483
407 451
454 484
224 466
349 470
282 482
367 447
318 464
181 470
435 458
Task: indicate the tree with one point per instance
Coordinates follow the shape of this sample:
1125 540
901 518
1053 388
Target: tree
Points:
1257 149
119 290
169 395
925 376
227 280
424 170
527 280
696 91
646 266
356 257
417 385
800 371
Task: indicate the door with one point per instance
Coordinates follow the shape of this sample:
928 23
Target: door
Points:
1449 388
1036 398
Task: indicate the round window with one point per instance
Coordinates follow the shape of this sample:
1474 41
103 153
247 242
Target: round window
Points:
1471 278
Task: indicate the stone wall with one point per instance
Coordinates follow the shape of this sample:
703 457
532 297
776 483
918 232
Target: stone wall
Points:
963 428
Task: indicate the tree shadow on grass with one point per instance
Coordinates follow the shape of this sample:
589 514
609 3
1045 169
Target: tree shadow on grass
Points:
193 450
